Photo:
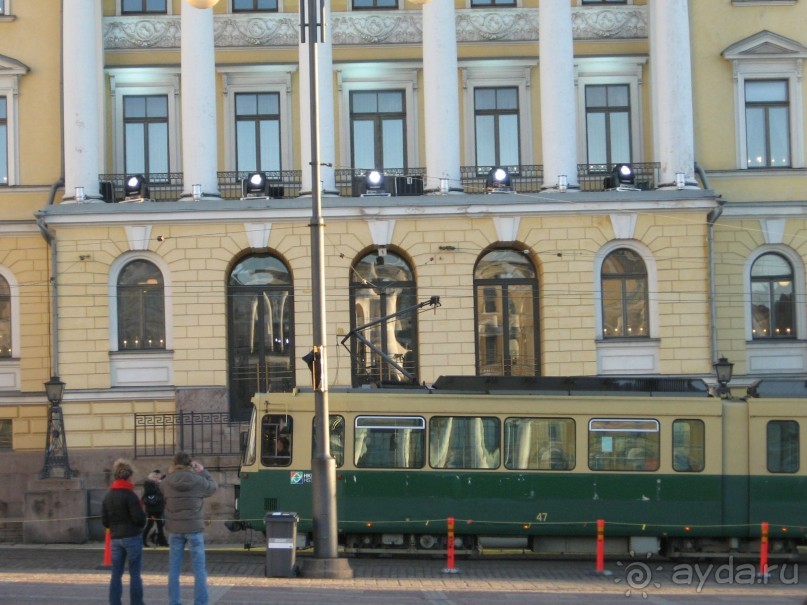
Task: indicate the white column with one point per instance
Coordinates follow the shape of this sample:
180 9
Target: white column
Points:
558 102
327 143
441 95
83 98
199 127
671 69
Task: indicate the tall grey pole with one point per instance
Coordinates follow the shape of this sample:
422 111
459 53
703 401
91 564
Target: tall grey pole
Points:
323 465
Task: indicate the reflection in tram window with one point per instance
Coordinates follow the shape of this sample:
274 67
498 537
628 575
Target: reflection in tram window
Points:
688 446
783 446
336 428
464 442
539 443
389 441
623 444
276 431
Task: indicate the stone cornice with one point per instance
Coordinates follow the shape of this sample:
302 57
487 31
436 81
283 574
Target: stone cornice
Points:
379 27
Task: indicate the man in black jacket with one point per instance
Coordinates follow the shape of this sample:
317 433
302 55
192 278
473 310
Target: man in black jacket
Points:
124 517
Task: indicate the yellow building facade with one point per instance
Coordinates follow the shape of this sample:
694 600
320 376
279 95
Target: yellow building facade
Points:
196 292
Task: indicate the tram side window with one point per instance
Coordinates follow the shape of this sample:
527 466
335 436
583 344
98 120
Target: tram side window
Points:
336 428
389 441
623 444
539 443
783 446
276 432
689 439
464 442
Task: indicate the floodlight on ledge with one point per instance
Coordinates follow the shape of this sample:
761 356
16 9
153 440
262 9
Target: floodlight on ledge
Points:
134 188
375 184
499 181
255 185
623 178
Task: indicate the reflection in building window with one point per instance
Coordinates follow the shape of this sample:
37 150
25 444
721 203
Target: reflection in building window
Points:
5 318
506 295
380 285
389 441
464 442
141 307
539 443
624 295
145 132
773 313
783 446
623 445
767 123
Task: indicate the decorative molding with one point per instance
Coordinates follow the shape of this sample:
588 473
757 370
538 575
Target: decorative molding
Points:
138 236
258 234
773 230
381 232
383 27
624 225
507 227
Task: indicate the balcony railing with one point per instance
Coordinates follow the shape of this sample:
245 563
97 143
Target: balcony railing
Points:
210 433
168 187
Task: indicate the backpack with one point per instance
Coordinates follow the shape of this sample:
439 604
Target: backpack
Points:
153 500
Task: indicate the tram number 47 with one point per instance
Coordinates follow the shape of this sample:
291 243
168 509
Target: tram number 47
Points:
542 517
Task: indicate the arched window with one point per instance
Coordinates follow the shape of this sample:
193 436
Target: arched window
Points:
506 307
381 285
261 330
773 312
141 307
5 318
625 301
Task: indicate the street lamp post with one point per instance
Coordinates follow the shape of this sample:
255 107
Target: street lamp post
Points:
55 440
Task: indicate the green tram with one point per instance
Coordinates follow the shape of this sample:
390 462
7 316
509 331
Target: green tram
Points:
668 469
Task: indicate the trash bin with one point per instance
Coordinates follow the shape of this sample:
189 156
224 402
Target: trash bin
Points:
281 544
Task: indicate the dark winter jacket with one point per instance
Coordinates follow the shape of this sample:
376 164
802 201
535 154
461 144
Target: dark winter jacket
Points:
121 511
153 499
185 490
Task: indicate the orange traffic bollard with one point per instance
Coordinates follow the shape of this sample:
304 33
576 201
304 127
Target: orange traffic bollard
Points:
600 546
108 549
763 550
450 548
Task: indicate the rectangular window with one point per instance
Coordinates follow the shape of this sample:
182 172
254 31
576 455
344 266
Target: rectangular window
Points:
374 4
139 7
389 441
767 123
608 133
689 442
336 428
546 444
6 434
3 141
145 131
623 444
783 446
378 129
257 132
276 432
464 442
489 3
252 6
496 126
2 7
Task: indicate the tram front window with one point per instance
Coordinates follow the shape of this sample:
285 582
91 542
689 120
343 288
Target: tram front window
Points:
276 444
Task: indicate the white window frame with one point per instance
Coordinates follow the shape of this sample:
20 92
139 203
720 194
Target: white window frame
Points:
7 14
598 71
259 79
151 81
499 74
379 76
168 5
10 368
768 56
10 72
636 355
140 368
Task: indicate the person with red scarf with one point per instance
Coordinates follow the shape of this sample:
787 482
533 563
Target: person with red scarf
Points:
123 514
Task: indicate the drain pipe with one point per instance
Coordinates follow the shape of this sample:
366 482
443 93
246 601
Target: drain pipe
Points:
714 215
50 237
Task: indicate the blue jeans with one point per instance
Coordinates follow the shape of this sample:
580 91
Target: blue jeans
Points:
123 548
196 546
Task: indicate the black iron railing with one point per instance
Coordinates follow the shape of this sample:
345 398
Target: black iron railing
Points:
168 187
210 433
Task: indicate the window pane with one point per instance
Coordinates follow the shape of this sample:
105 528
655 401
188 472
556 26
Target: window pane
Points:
618 96
141 307
755 136
276 443
636 307
485 98
158 148
507 98
381 444
393 142
765 91
6 434
247 153
364 102
596 96
5 318
612 309
390 102
485 140
3 154
270 145
246 105
464 442
157 107
156 6
336 429
688 445
539 443
780 136
784 309
595 134
364 144
521 330
135 148
269 104
771 265
623 445
620 137
508 141
134 107
760 310
783 446
504 263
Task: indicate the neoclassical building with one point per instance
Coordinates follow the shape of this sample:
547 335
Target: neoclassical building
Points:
189 290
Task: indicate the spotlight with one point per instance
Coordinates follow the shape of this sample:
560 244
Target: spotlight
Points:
623 178
255 185
375 183
135 188
499 181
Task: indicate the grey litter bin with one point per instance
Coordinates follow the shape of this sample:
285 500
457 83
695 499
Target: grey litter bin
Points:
281 544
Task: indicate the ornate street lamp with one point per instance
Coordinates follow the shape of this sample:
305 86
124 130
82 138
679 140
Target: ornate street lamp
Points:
723 369
55 440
